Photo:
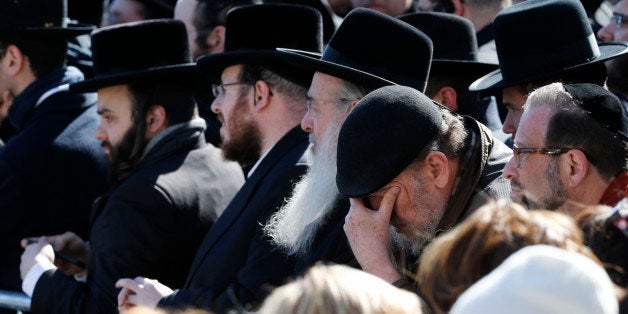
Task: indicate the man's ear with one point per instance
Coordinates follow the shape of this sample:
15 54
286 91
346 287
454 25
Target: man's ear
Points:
458 7
447 97
16 60
576 166
438 168
216 39
156 120
262 95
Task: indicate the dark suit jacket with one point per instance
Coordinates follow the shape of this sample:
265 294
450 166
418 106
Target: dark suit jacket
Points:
236 264
148 225
51 170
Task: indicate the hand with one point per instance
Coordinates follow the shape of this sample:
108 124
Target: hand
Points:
140 291
72 245
39 252
368 233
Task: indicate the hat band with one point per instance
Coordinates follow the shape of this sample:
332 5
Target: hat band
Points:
531 65
332 55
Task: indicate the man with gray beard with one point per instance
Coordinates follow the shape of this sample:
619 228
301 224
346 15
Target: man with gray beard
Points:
310 224
411 169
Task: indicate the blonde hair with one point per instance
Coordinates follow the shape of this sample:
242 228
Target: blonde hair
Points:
462 256
340 289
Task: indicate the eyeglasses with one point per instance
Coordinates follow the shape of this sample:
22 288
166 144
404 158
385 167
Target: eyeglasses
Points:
619 19
219 89
519 151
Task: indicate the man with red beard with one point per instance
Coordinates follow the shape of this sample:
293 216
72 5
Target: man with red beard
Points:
571 148
309 225
167 185
411 169
260 103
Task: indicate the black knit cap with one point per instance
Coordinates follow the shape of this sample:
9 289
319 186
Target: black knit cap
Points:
602 105
255 31
539 39
372 49
142 58
382 135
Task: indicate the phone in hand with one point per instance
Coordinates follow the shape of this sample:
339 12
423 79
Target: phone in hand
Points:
64 257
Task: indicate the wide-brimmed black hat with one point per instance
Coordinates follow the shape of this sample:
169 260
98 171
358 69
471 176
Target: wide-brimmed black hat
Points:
255 31
539 39
374 49
455 43
382 135
39 17
330 19
129 53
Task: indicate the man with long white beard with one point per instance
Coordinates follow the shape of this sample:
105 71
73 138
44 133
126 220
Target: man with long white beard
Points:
310 224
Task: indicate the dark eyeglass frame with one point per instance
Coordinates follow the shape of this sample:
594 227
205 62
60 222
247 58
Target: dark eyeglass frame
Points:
519 151
219 89
619 19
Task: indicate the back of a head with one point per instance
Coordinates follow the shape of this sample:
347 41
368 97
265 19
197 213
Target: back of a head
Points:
340 289
542 279
462 256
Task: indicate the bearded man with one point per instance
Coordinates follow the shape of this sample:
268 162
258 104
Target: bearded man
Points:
167 185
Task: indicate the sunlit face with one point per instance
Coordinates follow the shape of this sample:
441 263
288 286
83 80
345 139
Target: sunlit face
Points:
514 100
418 209
536 181
240 134
324 106
393 8
115 109
184 11
123 11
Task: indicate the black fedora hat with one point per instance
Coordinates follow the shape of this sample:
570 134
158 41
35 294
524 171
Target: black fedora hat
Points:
39 16
167 5
372 48
330 19
142 58
539 39
255 31
454 40
382 135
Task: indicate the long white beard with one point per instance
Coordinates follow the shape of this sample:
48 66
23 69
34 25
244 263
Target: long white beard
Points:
294 226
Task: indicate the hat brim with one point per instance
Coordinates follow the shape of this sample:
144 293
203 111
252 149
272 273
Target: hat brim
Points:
174 73
214 64
312 62
493 80
73 29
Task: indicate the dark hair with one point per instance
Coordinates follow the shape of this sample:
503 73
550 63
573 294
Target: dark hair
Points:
458 83
571 126
177 100
604 149
209 14
45 52
253 73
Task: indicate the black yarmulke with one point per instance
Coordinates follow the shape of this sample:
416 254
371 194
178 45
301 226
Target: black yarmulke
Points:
383 134
602 105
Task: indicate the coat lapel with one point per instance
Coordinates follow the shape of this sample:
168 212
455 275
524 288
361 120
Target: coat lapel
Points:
242 198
